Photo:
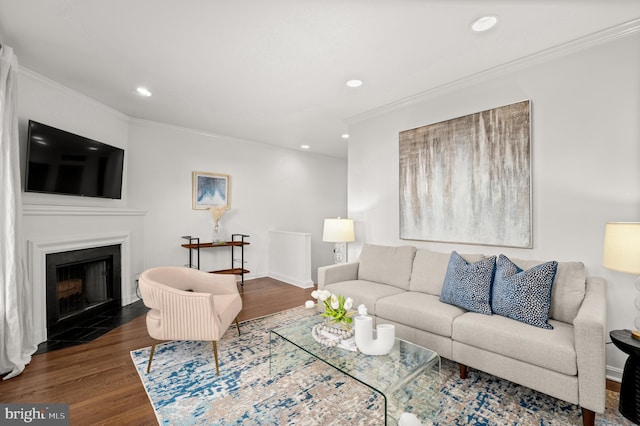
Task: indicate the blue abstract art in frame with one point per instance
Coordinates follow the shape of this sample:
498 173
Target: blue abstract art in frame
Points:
210 190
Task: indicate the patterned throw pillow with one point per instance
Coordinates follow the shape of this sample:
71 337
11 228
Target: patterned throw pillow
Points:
524 296
468 285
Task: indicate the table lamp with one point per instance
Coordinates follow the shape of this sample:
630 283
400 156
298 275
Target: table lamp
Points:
340 232
622 253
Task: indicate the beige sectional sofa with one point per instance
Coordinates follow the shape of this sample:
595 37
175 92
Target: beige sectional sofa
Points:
403 285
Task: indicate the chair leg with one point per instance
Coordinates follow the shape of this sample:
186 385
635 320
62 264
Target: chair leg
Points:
215 355
237 326
153 349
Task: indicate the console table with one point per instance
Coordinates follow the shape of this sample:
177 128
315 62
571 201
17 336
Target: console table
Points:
237 242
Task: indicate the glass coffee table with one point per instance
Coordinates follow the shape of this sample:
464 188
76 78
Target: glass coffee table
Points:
408 378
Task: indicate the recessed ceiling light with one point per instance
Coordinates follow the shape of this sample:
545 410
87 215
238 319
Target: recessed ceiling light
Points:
354 83
484 23
142 91
305 146
345 136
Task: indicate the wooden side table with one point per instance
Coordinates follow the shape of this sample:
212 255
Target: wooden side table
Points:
630 388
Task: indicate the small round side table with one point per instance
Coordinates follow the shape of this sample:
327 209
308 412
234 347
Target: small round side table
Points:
630 388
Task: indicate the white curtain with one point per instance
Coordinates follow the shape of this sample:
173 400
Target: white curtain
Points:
16 337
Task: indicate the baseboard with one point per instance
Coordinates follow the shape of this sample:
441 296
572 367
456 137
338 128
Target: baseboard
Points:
291 280
129 299
614 374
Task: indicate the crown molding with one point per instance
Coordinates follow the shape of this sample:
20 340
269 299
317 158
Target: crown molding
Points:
226 138
58 86
564 49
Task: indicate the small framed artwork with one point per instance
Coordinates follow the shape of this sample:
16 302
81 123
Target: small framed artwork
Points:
210 190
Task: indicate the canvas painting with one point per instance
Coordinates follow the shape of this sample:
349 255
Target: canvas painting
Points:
210 190
468 179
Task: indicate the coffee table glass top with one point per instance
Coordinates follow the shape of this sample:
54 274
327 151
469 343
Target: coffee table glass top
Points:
408 377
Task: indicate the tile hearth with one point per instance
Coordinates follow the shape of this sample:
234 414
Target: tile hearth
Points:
93 328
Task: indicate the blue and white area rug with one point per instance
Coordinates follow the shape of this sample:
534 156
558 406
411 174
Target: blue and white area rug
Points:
184 389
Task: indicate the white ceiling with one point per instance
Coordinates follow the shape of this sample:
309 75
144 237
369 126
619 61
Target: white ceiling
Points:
274 71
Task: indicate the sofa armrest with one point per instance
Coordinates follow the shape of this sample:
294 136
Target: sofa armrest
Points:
336 273
590 334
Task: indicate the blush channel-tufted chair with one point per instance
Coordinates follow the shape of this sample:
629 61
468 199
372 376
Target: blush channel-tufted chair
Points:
188 304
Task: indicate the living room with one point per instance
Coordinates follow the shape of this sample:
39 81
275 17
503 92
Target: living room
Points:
585 150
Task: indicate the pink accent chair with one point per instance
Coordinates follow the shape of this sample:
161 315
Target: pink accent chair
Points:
188 304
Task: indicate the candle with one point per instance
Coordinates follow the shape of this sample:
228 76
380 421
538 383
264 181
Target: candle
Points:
309 304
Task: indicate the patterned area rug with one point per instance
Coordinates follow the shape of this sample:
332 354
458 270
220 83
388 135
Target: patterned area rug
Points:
184 389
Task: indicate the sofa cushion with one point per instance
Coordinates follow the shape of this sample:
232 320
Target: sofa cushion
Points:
468 285
387 265
429 269
419 310
552 349
363 292
568 288
568 291
523 295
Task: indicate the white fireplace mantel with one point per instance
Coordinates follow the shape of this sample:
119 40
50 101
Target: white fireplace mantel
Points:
37 256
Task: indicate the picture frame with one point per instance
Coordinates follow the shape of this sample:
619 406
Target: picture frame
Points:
210 190
468 179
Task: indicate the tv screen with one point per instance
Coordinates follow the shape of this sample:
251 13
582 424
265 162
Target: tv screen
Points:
60 162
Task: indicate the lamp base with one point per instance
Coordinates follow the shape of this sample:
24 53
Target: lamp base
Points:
340 253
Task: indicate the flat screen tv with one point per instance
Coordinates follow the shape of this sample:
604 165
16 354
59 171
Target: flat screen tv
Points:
59 162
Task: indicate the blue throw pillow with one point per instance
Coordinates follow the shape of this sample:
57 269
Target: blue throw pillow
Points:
523 295
468 285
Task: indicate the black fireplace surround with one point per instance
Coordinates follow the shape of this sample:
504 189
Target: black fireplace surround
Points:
81 284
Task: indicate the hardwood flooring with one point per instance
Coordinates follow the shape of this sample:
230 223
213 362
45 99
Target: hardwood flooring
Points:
98 380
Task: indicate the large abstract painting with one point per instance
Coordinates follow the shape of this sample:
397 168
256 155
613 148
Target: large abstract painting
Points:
468 179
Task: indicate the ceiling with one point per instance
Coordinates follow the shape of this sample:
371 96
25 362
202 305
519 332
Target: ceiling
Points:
275 71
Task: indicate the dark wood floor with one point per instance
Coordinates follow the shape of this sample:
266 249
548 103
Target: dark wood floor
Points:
98 380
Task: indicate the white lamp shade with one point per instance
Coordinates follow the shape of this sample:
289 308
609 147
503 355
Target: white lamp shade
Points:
338 230
622 247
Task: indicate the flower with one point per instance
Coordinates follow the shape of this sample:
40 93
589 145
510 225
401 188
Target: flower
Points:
362 310
336 307
335 303
217 212
321 295
348 304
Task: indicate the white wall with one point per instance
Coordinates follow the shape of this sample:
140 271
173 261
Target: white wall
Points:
585 158
271 189
48 217
47 102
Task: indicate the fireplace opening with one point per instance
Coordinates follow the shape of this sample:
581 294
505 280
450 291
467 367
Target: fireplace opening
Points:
81 284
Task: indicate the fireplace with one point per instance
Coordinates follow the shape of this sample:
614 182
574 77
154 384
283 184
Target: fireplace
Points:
81 284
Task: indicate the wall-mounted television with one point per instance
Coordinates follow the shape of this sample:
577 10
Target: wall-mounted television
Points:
59 162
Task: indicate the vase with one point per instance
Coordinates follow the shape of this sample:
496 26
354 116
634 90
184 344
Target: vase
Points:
217 233
385 336
338 324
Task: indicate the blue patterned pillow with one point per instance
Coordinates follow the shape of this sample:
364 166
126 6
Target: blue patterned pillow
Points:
523 295
468 285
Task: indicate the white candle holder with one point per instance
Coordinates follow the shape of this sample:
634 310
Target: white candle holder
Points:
385 336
